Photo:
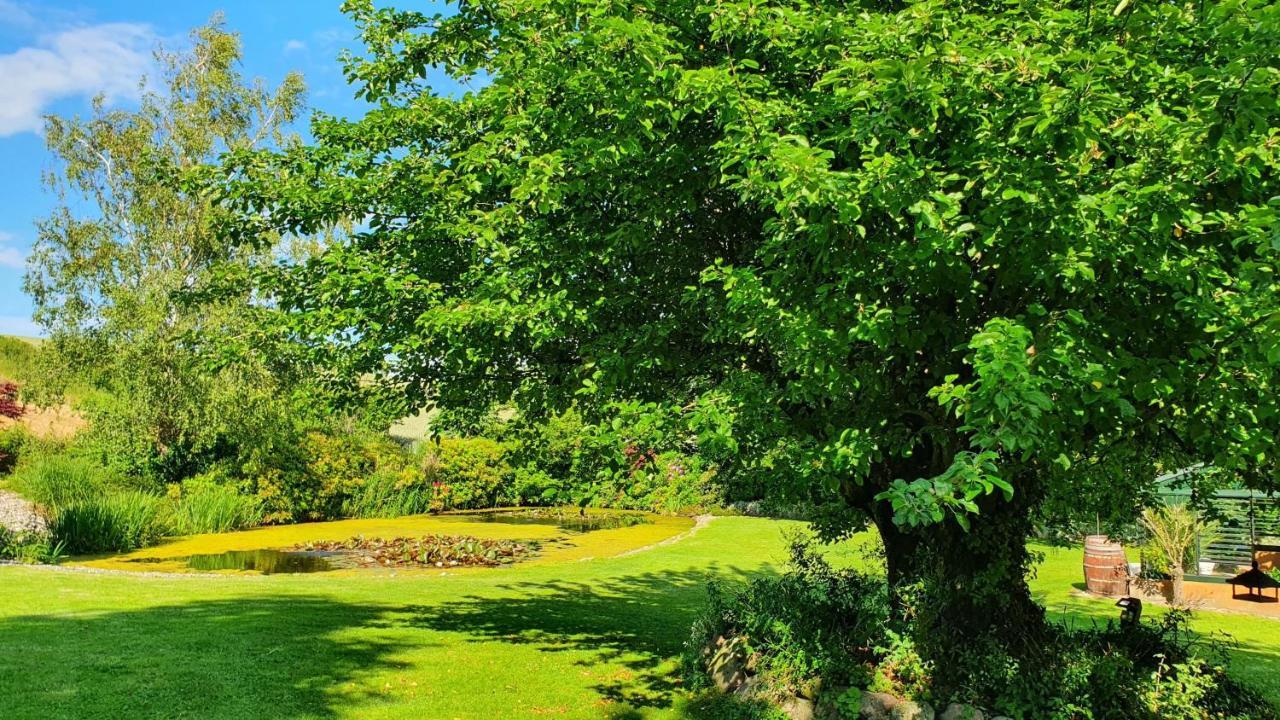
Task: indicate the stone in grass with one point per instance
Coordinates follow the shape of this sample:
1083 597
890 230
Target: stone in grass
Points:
797 708
956 711
877 706
728 664
911 710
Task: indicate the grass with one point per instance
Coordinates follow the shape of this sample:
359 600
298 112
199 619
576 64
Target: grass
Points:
17 356
571 639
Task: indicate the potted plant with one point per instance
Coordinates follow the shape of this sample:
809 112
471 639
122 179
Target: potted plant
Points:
1172 532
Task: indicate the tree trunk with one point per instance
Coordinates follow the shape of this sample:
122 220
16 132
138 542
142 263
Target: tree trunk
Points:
973 604
1176 577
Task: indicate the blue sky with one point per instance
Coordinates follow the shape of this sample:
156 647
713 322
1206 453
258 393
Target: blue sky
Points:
55 56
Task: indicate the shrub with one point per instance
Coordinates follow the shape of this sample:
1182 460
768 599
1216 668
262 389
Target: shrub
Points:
813 621
899 669
338 466
329 476
118 521
212 508
285 495
57 480
665 482
30 547
816 623
13 442
472 472
1150 672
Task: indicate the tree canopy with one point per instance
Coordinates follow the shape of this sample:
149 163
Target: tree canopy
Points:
950 260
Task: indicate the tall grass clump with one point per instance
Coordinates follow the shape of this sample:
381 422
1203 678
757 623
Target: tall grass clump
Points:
57 481
215 509
115 522
385 495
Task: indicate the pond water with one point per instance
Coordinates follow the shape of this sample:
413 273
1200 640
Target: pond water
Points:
265 561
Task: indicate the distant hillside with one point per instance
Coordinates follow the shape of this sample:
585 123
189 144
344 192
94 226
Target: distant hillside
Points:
17 363
17 354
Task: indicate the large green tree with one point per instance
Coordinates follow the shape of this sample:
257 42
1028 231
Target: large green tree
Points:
118 268
947 260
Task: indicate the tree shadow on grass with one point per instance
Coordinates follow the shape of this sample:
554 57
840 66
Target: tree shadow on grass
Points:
239 658
639 622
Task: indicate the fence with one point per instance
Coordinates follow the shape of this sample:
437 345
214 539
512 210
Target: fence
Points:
1246 518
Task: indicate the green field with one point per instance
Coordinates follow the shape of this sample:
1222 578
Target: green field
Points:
586 639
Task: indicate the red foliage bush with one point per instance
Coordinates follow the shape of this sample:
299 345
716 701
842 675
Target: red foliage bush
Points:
9 405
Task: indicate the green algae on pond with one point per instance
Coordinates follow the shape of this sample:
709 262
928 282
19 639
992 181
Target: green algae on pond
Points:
553 530
573 521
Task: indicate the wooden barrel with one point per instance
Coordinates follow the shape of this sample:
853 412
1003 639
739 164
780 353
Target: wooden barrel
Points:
1106 569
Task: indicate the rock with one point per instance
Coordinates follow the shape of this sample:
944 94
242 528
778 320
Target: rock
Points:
797 708
728 664
748 688
877 706
911 710
956 711
18 515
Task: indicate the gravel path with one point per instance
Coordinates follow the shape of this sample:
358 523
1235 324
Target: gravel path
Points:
19 515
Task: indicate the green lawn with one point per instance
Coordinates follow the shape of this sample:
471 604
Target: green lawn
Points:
576 640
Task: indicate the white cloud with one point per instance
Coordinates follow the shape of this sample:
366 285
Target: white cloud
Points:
107 59
11 256
294 46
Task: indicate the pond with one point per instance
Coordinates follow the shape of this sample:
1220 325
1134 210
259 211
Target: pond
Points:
264 560
555 535
571 520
